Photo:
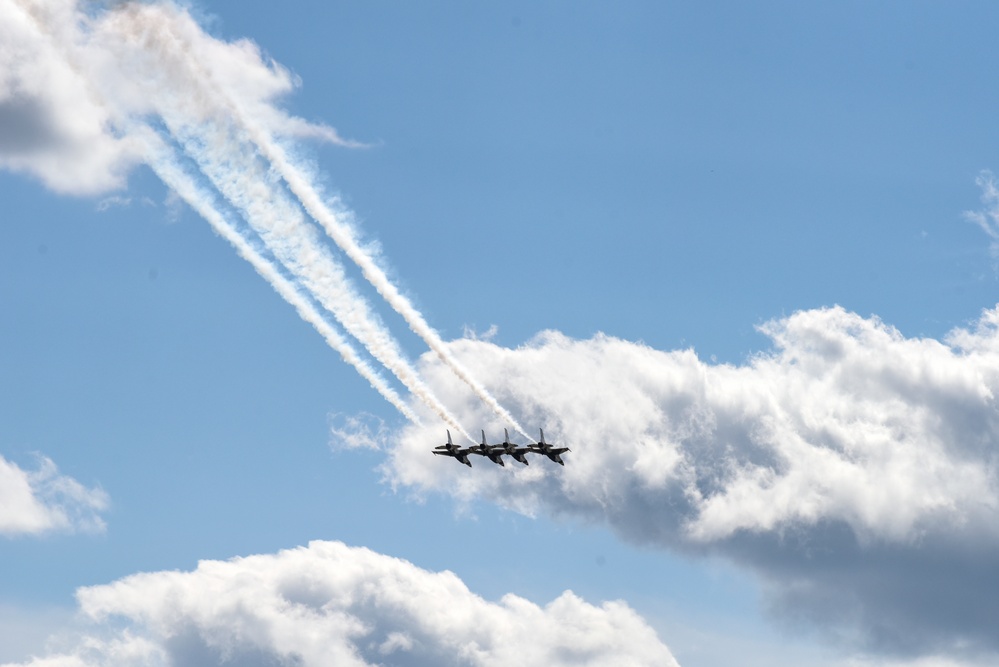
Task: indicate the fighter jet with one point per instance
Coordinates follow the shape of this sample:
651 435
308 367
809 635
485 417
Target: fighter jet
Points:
542 447
509 448
494 452
451 449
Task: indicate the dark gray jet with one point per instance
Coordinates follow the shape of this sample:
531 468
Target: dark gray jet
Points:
451 449
509 448
553 453
494 452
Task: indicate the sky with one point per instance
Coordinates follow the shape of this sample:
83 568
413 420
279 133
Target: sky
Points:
257 258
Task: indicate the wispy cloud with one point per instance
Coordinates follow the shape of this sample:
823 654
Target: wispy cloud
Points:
362 431
988 218
119 201
44 501
851 467
113 201
330 604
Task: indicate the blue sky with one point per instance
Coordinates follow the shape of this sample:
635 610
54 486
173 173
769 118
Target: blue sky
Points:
675 176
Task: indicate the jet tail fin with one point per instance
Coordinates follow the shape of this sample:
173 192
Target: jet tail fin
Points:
449 438
484 439
506 437
542 441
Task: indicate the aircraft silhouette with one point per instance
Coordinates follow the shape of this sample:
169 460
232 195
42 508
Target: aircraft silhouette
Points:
494 452
554 453
451 449
509 448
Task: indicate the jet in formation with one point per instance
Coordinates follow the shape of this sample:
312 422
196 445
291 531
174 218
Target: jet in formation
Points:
554 453
451 449
495 453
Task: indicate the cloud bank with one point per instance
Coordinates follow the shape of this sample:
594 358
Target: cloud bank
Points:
851 467
32 503
330 604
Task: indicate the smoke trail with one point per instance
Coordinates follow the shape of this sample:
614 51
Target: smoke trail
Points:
165 166
234 169
167 80
344 238
341 233
283 231
168 171
317 272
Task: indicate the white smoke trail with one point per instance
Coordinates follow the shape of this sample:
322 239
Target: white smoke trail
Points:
185 105
63 36
139 58
344 238
168 171
285 233
306 193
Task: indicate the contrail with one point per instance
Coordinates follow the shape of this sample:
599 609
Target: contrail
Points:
192 117
283 230
341 233
228 145
344 238
169 171
225 160
321 275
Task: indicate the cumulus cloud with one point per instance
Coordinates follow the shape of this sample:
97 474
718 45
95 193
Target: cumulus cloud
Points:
853 468
330 604
45 501
70 86
51 124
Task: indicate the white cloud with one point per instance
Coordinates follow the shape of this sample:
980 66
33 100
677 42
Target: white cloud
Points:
362 431
988 219
45 501
330 604
67 124
852 467
113 201
52 125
